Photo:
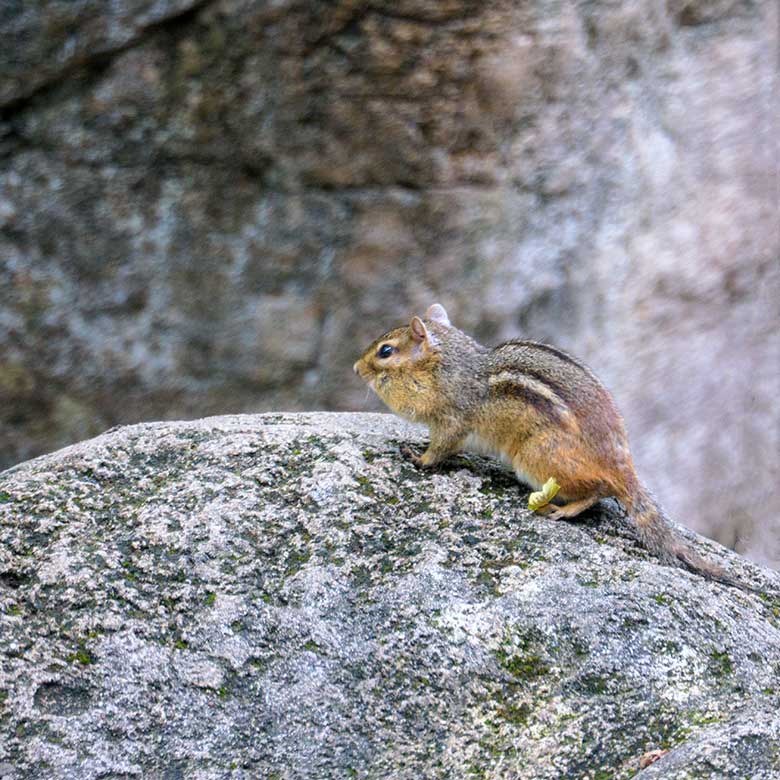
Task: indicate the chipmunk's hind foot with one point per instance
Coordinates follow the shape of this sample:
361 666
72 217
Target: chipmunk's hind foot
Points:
572 509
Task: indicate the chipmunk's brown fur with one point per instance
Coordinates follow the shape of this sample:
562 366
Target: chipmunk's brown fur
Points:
534 406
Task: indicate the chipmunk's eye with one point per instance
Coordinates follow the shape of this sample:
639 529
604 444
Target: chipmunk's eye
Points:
384 351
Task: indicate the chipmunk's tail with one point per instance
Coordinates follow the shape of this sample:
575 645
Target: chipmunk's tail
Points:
659 537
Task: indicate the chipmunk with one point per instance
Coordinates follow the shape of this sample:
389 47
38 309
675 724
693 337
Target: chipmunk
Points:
531 404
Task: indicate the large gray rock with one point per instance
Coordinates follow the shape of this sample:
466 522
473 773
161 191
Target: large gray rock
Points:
282 596
211 206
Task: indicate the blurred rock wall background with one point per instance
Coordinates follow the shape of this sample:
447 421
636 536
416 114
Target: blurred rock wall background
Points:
212 206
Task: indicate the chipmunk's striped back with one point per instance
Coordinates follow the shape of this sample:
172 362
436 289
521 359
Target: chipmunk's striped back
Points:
554 381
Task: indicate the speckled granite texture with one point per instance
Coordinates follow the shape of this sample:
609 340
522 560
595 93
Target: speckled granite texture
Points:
282 596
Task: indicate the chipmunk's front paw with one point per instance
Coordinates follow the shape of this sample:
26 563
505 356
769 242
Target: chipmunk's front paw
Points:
408 453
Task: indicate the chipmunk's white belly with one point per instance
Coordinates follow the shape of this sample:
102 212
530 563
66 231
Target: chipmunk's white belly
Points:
478 445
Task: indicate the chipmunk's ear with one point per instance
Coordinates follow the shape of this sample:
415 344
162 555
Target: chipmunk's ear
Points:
418 329
424 339
437 313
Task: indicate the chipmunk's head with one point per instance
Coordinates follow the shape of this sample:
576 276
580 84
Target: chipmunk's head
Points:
400 366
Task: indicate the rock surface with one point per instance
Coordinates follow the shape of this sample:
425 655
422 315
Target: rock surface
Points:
212 205
282 596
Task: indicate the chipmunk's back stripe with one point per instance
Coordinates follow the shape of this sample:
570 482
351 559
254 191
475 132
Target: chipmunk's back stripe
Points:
545 348
565 394
535 393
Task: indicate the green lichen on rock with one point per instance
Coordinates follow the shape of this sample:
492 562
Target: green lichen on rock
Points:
81 656
720 663
524 667
296 608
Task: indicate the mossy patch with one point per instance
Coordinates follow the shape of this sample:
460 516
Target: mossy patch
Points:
295 561
81 656
697 718
522 666
496 564
130 572
365 486
361 576
516 714
720 663
670 647
592 684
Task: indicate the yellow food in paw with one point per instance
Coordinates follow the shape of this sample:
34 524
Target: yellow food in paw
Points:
541 498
